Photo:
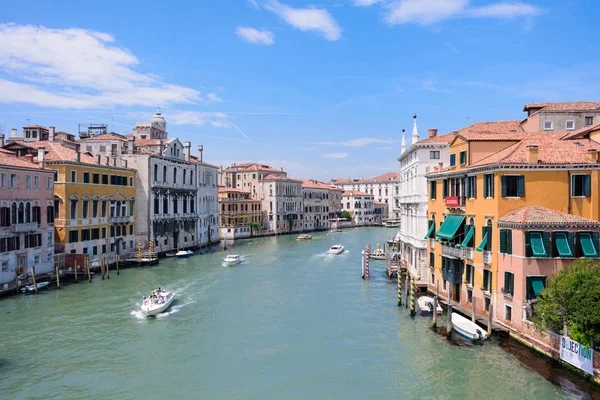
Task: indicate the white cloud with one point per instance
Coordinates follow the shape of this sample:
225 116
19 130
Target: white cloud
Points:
216 119
214 98
335 155
308 19
365 3
255 4
254 36
360 142
426 12
78 68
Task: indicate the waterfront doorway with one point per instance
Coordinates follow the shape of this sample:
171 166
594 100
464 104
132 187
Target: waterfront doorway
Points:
456 292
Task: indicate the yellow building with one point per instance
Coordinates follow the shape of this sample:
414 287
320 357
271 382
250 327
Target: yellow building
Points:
496 168
94 202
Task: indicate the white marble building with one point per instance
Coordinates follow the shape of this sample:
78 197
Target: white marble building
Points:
361 205
281 203
415 162
384 188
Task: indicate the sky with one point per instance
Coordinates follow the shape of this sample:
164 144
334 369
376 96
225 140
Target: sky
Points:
320 88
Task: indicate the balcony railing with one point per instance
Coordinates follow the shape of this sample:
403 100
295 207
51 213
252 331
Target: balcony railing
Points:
432 243
453 251
469 253
174 216
455 201
487 257
507 293
120 219
25 227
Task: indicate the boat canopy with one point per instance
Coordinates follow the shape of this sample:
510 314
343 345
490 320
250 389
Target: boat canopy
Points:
587 245
537 245
562 245
468 237
450 226
430 231
482 244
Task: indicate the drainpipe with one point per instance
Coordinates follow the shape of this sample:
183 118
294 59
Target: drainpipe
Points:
569 193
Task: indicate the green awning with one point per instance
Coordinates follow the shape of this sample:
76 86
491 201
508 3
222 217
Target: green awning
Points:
587 245
482 244
430 231
562 245
468 237
450 226
537 284
537 245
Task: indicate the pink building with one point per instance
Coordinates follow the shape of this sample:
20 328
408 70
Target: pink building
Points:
26 217
536 243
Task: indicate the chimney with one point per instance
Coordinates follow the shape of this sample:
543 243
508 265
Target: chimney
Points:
160 147
281 169
187 147
432 132
41 157
532 151
78 152
13 132
440 165
130 144
29 157
51 132
200 150
593 155
107 160
98 159
1 139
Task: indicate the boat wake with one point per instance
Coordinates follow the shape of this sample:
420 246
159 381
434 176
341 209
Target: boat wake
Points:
174 309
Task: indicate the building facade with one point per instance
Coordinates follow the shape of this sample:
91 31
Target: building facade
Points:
239 214
247 176
361 207
315 197
281 203
560 117
383 188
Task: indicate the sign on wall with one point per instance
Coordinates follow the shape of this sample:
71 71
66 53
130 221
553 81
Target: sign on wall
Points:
577 355
452 201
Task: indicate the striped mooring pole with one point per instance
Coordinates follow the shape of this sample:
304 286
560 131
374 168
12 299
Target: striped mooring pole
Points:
139 253
367 262
412 297
399 276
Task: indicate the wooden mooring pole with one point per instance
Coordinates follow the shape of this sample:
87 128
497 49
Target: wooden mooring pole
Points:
57 277
449 323
107 268
17 280
473 317
75 266
490 313
33 277
117 257
435 303
102 268
87 267
412 297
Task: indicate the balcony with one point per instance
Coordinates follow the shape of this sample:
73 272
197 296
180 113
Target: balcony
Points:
119 220
508 294
469 253
432 243
25 227
487 257
160 217
452 251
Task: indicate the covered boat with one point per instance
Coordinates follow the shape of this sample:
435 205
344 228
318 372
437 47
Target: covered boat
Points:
467 328
336 249
158 302
378 254
426 305
232 259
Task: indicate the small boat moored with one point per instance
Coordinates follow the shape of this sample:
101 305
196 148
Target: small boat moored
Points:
31 288
171 253
232 259
184 253
468 329
426 305
378 254
336 249
158 302
304 237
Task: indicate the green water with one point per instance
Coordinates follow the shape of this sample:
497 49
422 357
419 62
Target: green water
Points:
290 322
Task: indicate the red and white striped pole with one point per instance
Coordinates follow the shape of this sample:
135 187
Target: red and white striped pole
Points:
367 262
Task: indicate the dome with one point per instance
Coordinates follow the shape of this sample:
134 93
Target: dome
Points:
158 118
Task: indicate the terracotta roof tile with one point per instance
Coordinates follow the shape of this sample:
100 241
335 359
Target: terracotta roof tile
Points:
447 138
581 132
355 193
564 106
12 161
106 136
313 184
388 176
274 177
381 203
223 189
538 215
245 167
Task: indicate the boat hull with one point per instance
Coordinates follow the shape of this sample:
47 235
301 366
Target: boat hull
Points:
31 288
233 262
184 254
154 309
468 329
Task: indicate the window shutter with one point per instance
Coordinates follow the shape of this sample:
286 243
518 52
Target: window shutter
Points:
595 237
485 186
468 187
527 245
528 288
503 242
506 281
504 188
445 188
587 186
468 277
547 244
491 194
508 241
490 241
474 180
521 186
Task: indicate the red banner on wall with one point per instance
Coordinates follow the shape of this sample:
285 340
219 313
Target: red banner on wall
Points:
452 201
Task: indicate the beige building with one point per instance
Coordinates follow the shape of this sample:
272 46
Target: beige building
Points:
247 176
383 188
238 212
315 196
361 206
281 199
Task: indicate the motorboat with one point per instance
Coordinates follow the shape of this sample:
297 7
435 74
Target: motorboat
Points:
304 237
378 254
392 223
335 231
465 327
31 288
232 259
158 302
336 249
184 253
171 253
426 305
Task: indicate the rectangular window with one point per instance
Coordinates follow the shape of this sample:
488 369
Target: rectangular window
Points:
434 155
581 185
488 186
432 190
104 232
84 208
537 244
587 244
36 182
570 125
130 181
131 229
13 181
104 208
73 236
105 179
463 157
73 209
94 208
509 284
96 178
432 260
3 180
452 160
96 233
470 271
73 176
88 149
513 186
547 125
534 286
50 182
85 235
445 188
589 121
471 187
131 207
102 148
28 182
487 280
506 241
103 249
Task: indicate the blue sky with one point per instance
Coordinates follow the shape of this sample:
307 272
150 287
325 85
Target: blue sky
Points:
320 88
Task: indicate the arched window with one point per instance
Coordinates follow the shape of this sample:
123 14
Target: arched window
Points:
191 177
271 206
155 172
386 191
21 213
14 213
174 175
165 174
380 191
28 212
184 175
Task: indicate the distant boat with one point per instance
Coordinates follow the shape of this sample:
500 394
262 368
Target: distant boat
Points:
184 253
304 237
392 223
232 259
171 253
31 288
336 249
378 254
467 328
426 305
160 303
335 231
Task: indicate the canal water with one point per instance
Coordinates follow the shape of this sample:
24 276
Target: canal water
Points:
290 322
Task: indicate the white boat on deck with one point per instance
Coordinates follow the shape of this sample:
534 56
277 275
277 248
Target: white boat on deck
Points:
31 288
426 305
232 259
336 249
467 328
392 223
378 254
157 303
184 253
304 237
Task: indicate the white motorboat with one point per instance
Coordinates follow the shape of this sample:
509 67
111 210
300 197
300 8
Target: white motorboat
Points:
392 223
232 259
184 253
378 254
31 288
426 305
159 301
336 249
304 237
467 328
172 253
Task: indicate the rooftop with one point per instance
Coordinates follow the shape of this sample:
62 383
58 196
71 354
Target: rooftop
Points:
387 177
314 184
10 160
538 215
352 193
564 106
